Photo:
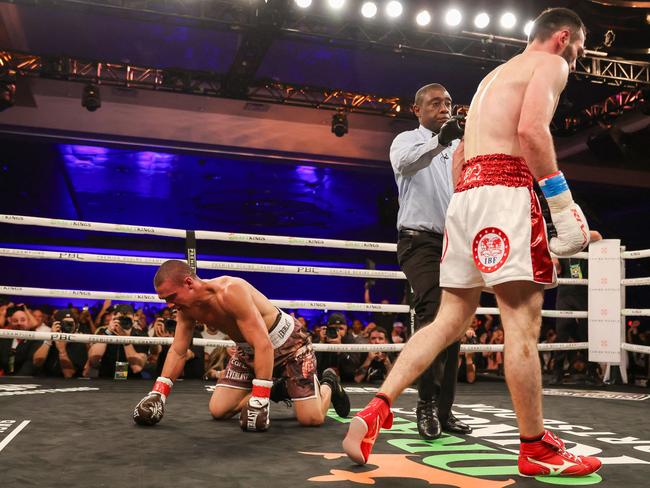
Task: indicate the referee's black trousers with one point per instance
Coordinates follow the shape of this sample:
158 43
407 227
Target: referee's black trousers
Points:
419 258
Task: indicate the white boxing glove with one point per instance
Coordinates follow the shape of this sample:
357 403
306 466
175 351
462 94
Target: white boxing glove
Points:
569 221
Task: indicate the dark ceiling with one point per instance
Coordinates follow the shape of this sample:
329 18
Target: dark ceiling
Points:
187 38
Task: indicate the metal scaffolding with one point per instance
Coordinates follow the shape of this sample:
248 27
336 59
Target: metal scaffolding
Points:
268 91
195 83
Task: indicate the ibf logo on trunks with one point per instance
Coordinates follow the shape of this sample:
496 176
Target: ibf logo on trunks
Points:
491 248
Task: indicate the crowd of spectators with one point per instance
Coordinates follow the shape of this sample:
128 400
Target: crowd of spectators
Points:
71 359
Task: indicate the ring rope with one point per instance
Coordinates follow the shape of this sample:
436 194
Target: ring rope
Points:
635 281
151 341
208 235
636 312
642 253
225 265
285 304
219 265
635 348
200 234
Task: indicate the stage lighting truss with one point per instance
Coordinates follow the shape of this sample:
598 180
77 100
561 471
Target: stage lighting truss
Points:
211 84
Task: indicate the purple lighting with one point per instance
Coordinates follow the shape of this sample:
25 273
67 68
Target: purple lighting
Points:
83 156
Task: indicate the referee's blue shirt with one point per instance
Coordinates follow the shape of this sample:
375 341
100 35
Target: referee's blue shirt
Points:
422 170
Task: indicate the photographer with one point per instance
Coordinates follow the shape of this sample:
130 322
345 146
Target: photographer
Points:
377 364
105 356
16 354
335 332
61 358
194 361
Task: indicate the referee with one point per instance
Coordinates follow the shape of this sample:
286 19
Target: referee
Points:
422 163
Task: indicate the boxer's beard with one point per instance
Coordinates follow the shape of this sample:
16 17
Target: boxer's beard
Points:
568 55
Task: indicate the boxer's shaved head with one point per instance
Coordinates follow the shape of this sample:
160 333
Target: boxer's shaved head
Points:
174 271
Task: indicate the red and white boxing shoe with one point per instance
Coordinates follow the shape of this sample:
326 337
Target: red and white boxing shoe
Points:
548 457
364 429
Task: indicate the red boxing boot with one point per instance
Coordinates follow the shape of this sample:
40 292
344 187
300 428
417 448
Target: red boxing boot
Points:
548 457
364 429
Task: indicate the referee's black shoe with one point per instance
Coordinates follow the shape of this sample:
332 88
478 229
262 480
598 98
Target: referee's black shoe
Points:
429 425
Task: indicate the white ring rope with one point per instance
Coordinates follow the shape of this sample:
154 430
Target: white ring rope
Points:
635 281
284 304
200 234
635 312
219 265
151 341
635 348
224 265
643 253
208 235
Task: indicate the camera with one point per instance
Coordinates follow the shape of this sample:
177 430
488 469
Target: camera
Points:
68 326
170 325
332 332
66 320
125 322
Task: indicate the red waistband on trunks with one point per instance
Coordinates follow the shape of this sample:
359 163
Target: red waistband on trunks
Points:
492 170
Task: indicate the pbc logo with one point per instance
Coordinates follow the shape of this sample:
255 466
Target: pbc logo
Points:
491 248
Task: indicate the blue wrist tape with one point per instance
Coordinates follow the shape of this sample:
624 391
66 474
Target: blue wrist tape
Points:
554 185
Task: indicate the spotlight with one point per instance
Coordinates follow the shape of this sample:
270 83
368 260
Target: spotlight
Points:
303 3
394 9
423 18
528 27
482 20
337 4
369 9
453 17
339 124
508 20
90 98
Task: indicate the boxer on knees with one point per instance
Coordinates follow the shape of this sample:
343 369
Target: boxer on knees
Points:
495 236
270 344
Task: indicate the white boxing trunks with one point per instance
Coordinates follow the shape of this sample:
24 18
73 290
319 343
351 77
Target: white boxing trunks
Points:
494 230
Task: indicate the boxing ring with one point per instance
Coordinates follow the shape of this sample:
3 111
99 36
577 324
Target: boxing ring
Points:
56 432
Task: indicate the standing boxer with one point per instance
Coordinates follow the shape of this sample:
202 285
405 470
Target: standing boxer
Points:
495 236
422 163
270 343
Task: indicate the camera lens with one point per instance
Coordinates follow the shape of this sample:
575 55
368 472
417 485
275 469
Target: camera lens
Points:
332 332
170 325
125 322
67 326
